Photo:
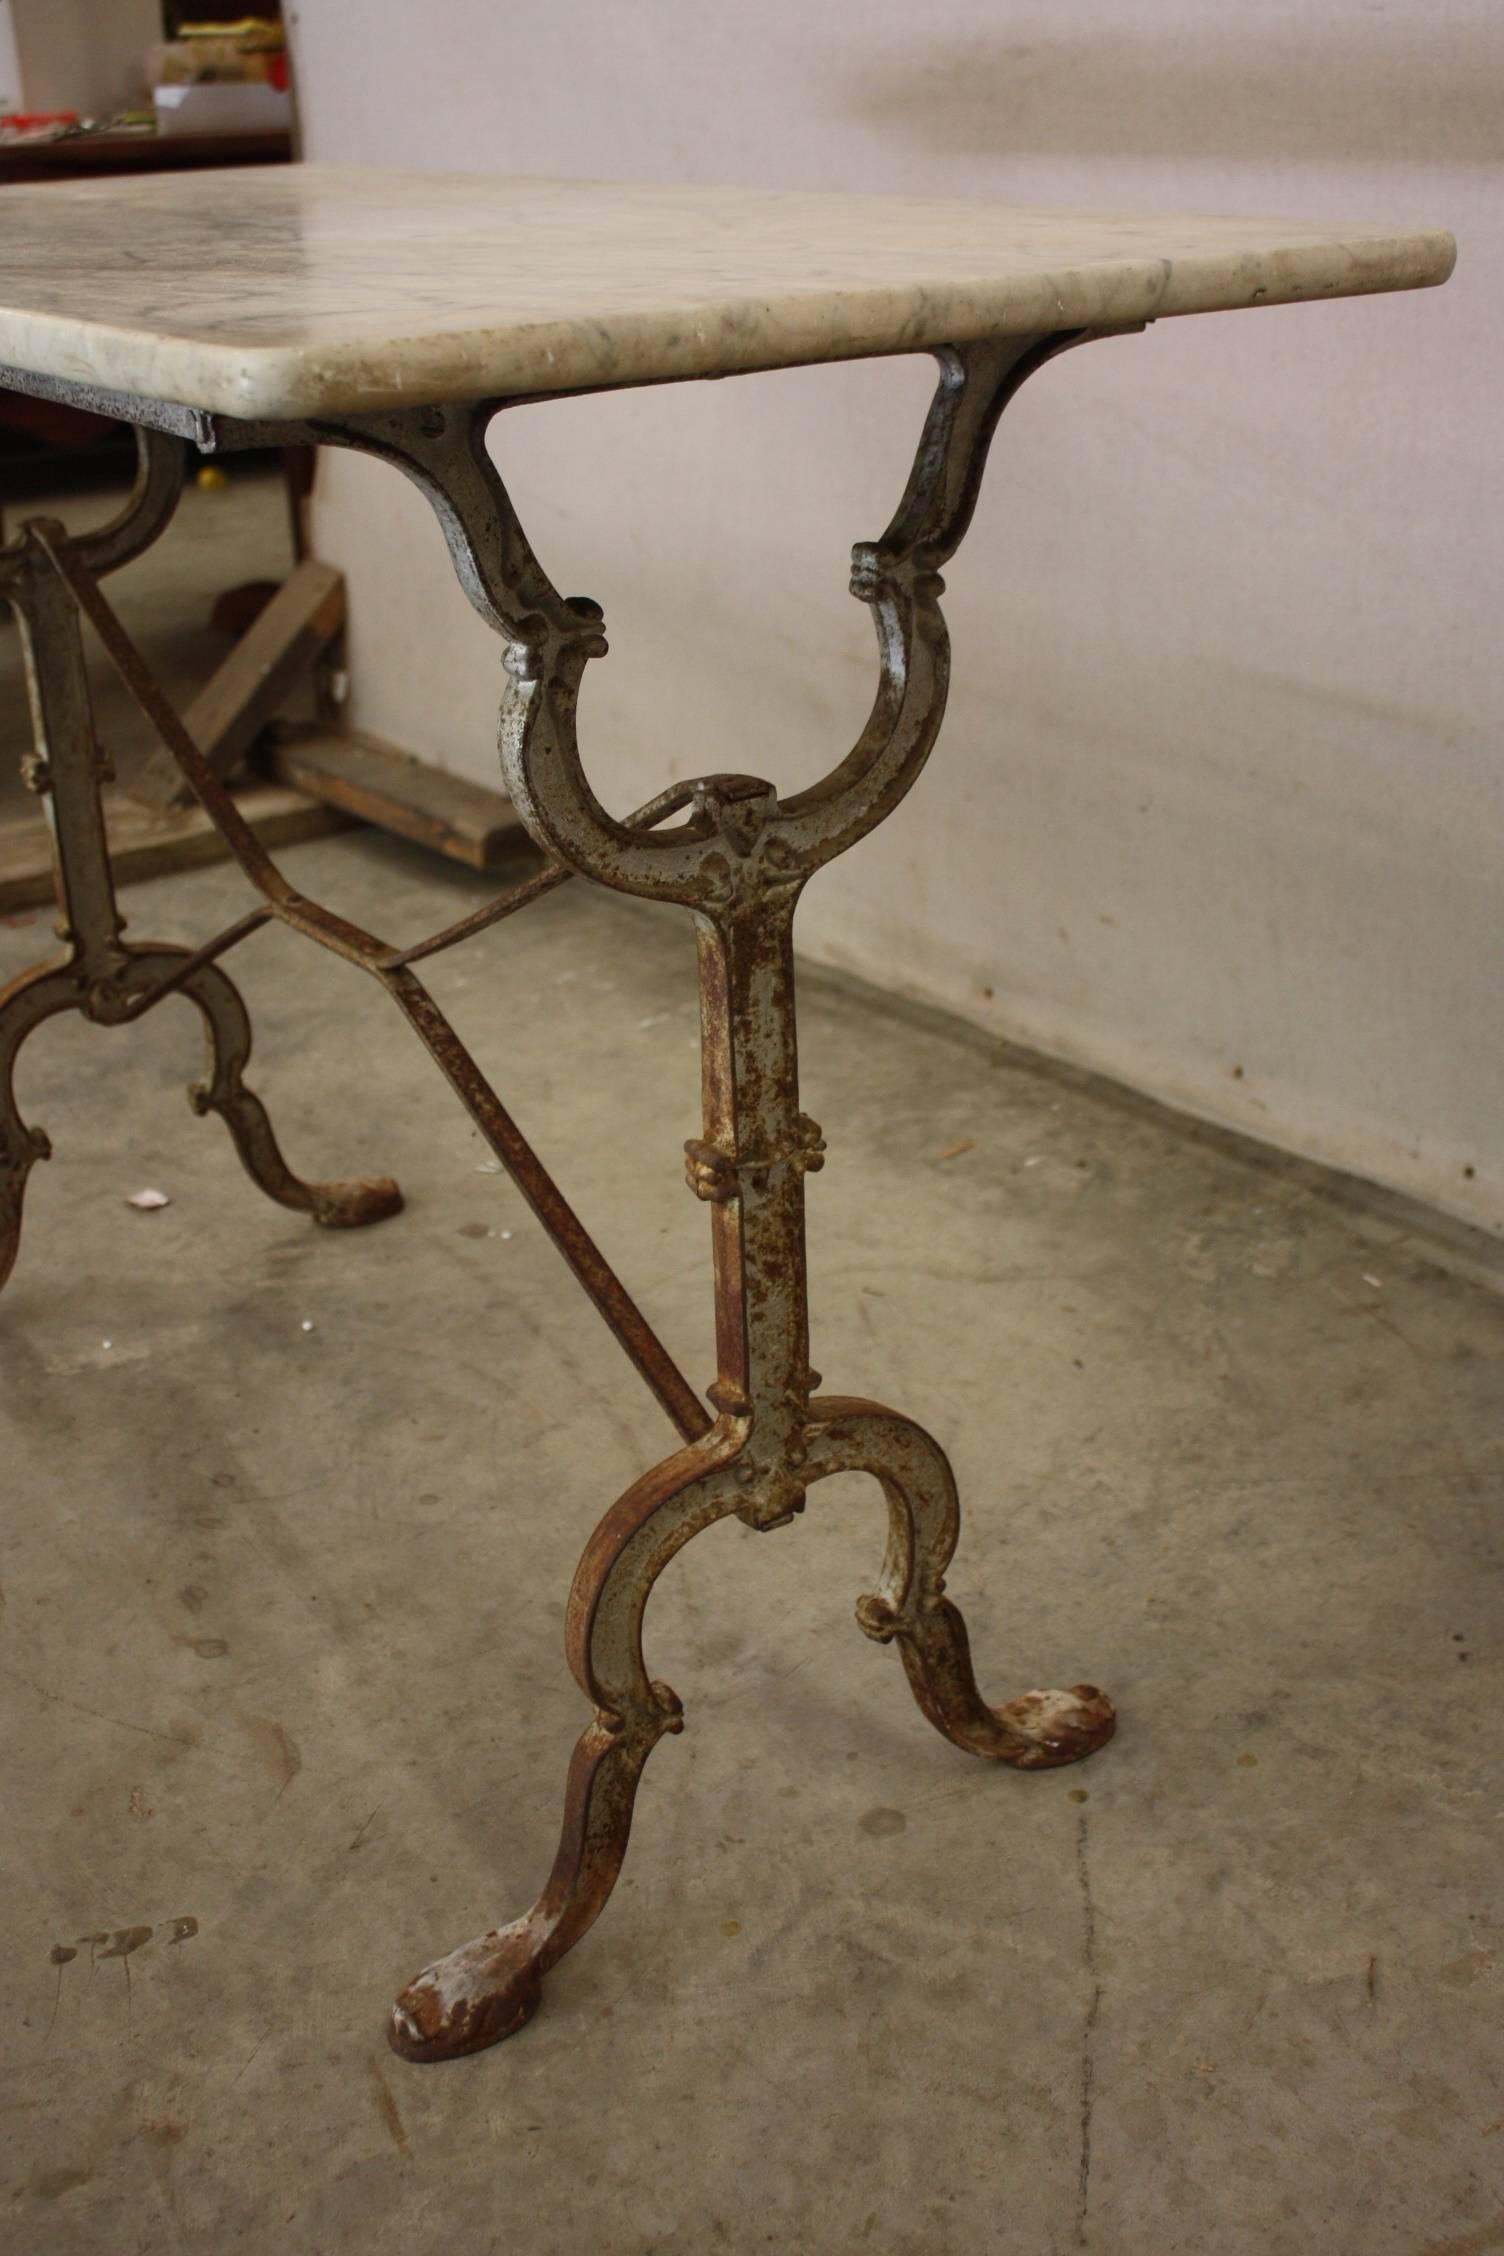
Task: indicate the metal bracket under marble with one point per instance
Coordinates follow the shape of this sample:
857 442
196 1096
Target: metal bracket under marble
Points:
737 856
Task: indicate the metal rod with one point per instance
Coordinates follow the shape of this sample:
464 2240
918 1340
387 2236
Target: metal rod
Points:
230 938
216 801
636 1336
546 880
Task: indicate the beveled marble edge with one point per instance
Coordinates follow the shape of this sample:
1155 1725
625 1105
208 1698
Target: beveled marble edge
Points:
685 331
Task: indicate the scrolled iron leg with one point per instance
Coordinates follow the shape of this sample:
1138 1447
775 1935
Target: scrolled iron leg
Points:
488 1988
37 995
227 1027
1037 1731
738 863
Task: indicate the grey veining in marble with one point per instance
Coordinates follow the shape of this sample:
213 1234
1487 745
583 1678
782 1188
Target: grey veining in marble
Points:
317 289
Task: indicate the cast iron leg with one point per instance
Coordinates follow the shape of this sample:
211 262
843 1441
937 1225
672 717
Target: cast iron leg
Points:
35 996
1037 1731
738 861
102 975
488 1988
227 1031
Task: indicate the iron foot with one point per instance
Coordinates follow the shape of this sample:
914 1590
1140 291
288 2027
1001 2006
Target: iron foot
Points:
479 1994
227 1029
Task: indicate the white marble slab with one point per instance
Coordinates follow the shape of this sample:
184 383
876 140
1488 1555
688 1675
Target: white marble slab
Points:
311 289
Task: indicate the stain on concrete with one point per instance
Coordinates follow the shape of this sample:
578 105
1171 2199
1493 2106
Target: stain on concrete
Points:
386 2107
163 2130
276 1749
881 1822
51 2185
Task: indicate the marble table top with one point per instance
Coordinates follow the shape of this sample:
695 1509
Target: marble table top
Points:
318 289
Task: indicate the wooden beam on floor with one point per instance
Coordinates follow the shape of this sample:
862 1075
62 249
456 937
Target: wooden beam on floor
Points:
254 682
383 785
147 842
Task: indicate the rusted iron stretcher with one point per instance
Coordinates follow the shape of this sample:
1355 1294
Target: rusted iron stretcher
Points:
726 848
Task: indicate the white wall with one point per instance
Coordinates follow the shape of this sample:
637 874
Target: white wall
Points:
10 60
85 55
1219 806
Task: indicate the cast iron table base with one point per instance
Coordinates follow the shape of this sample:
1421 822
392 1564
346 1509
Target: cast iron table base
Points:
733 853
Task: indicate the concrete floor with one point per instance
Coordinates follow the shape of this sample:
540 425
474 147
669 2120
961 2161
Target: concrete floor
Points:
290 1521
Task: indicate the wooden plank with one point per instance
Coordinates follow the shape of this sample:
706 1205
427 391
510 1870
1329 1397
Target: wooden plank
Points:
388 787
145 842
256 679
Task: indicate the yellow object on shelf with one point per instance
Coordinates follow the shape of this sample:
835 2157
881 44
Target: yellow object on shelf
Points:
197 62
250 31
